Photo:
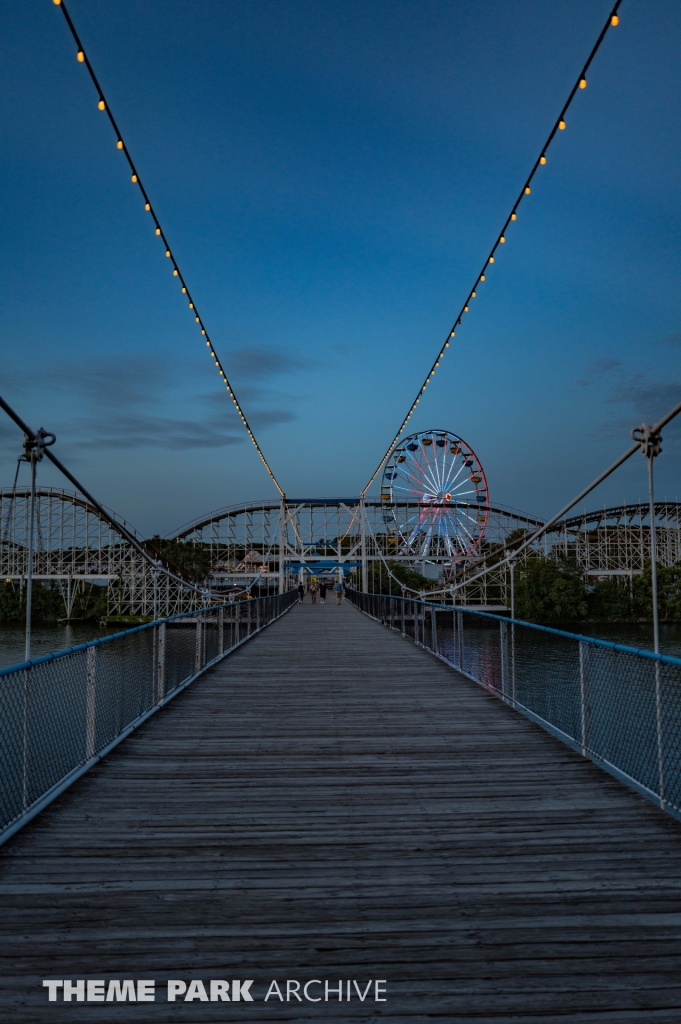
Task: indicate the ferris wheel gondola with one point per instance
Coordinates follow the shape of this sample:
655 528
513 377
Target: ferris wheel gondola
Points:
434 490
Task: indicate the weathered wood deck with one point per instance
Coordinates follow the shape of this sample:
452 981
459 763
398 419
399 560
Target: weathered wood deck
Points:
333 803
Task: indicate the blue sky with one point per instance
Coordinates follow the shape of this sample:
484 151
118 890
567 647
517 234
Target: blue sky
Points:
331 176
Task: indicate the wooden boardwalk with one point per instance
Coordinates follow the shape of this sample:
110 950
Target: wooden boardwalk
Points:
330 803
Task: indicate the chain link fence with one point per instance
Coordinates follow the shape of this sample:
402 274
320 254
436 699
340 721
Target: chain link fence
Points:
617 705
61 713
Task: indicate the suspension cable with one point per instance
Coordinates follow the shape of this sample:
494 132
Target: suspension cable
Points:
82 57
541 160
121 528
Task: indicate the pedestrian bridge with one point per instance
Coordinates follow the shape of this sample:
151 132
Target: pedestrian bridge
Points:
332 805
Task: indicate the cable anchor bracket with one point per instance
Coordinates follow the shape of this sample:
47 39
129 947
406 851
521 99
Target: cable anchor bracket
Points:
650 441
34 446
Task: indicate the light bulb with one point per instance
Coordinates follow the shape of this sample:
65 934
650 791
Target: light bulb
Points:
527 190
614 21
482 277
146 206
184 291
582 83
158 231
514 216
542 160
168 253
101 105
119 144
81 56
134 179
473 294
561 125
465 309
491 259
502 239
191 305
175 272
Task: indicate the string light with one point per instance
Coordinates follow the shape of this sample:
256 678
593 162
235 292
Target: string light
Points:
559 125
147 206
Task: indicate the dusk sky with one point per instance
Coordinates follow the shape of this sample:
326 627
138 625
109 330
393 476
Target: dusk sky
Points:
331 176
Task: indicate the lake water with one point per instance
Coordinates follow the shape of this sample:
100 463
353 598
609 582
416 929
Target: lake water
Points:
47 639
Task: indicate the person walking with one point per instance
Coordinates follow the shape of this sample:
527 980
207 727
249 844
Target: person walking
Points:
322 592
338 590
313 593
301 592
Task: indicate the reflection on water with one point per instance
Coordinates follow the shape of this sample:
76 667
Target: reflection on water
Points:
632 634
45 639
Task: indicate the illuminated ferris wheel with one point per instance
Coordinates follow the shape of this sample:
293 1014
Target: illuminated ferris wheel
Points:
434 491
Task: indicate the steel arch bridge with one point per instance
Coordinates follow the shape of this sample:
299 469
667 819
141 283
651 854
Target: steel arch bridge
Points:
266 545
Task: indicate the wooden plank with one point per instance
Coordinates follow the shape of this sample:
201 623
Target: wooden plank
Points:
332 802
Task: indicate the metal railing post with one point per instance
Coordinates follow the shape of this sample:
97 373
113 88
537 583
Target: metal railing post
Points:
197 644
433 625
459 629
660 738
160 661
503 650
91 670
221 630
27 677
583 655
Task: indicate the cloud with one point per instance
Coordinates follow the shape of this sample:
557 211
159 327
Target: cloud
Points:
671 341
132 401
598 370
117 382
650 401
256 362
144 431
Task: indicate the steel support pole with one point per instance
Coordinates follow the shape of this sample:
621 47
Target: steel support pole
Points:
29 557
282 520
363 546
653 555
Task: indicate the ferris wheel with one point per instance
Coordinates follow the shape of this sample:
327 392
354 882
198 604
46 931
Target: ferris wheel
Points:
435 497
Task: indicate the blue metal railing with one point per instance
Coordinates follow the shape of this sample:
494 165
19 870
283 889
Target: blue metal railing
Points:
617 705
61 713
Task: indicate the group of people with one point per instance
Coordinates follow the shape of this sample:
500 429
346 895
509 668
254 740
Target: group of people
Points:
321 589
